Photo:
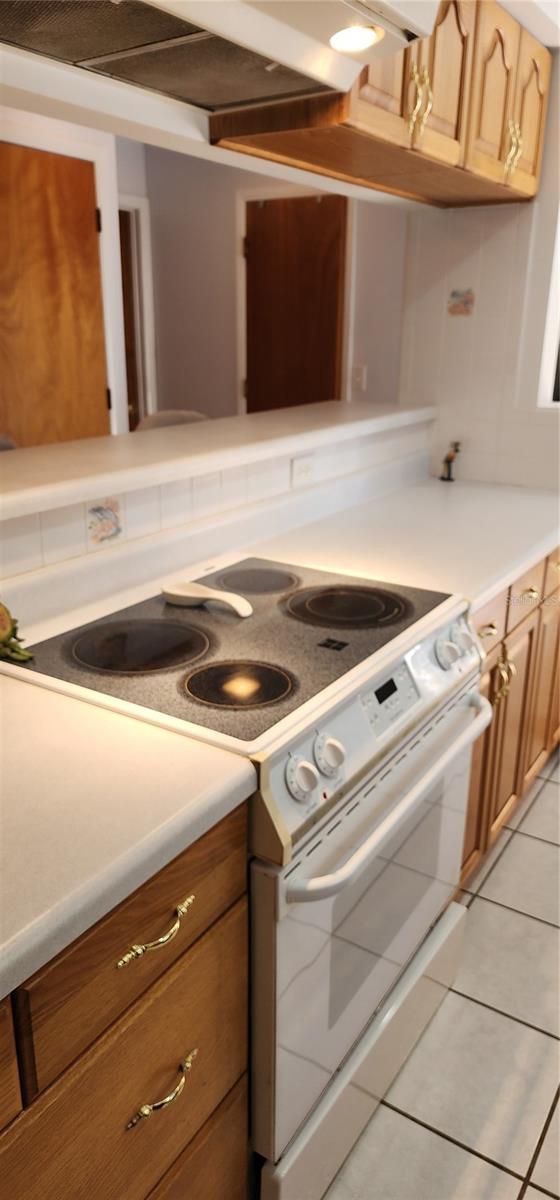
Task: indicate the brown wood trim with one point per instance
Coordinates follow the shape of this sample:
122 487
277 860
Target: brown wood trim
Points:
303 113
24 1043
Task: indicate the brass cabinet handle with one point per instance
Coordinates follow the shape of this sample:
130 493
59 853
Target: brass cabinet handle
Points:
512 148
504 689
146 1110
413 116
510 668
136 951
429 102
531 594
519 151
556 566
487 631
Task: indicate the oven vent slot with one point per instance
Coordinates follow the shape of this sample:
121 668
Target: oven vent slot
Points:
355 805
313 848
332 828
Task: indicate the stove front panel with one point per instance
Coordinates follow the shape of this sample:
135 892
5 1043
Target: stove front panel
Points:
312 656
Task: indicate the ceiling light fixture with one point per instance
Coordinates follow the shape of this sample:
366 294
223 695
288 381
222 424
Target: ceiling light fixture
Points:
356 37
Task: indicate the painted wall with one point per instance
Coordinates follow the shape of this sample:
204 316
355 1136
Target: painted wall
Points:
484 371
193 211
131 167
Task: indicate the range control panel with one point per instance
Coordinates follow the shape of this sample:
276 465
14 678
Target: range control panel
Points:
304 776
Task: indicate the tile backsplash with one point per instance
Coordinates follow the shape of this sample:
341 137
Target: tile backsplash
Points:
103 524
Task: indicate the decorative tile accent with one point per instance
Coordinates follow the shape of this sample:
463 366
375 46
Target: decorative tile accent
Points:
105 522
143 514
207 494
21 548
460 302
63 532
176 503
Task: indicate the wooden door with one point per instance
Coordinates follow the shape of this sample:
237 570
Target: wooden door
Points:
295 255
519 658
52 352
540 715
496 47
132 349
444 64
383 100
531 99
476 825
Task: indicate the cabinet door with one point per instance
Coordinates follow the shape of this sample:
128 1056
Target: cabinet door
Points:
519 657
496 48
476 826
541 715
382 99
444 63
531 98
10 1099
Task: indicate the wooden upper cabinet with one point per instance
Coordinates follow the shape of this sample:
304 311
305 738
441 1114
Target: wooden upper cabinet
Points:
382 103
443 63
529 112
490 145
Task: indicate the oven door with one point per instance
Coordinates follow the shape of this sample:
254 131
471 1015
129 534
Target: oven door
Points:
333 931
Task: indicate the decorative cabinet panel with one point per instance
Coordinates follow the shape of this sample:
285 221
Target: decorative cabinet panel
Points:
442 64
544 719
491 144
383 98
530 104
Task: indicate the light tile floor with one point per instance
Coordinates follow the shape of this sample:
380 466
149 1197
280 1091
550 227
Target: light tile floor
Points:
475 1112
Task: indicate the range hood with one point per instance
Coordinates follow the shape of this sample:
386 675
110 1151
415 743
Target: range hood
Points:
214 54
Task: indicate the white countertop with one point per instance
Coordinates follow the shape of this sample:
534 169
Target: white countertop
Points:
94 802
44 477
468 538
92 805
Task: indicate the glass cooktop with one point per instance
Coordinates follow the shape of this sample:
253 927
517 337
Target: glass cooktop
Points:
237 676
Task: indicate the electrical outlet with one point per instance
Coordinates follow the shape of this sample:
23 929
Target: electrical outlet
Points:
303 470
359 377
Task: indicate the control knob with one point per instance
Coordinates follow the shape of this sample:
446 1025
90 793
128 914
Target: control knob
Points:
301 778
463 638
329 754
447 653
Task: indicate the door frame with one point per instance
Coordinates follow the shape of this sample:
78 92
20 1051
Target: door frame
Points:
143 285
284 192
39 132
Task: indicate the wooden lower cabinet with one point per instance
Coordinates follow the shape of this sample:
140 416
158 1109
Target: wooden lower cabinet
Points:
521 678
79 1139
215 1164
10 1098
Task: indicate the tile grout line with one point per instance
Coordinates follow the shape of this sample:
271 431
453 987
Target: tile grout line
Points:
501 1013
536 837
522 913
454 1141
539 1146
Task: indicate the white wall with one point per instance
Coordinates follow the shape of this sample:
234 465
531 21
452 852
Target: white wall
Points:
193 208
484 370
131 167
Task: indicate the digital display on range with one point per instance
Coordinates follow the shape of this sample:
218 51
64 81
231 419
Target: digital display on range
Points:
386 690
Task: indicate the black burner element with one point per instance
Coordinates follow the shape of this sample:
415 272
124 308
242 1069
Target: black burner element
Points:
258 581
136 647
348 607
238 684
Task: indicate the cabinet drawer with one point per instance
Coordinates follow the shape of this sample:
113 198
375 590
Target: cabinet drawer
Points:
552 572
215 1165
525 594
490 621
74 1141
74 998
10 1099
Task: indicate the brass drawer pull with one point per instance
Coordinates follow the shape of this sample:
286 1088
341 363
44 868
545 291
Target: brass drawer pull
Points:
136 951
504 689
429 102
146 1110
531 594
413 116
487 631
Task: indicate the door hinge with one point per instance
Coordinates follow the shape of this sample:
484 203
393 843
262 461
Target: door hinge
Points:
109 401
98 219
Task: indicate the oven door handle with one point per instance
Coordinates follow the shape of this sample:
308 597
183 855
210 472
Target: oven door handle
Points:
323 886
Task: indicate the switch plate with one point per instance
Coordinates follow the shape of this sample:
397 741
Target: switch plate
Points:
303 470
